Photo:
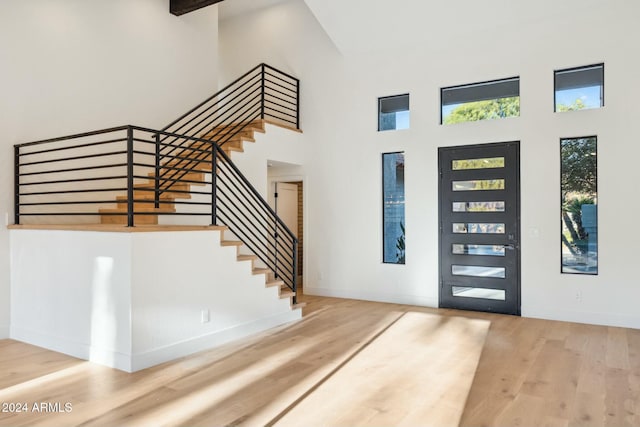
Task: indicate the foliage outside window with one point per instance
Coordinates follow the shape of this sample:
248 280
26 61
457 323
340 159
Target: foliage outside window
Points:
579 213
393 112
393 208
579 88
480 101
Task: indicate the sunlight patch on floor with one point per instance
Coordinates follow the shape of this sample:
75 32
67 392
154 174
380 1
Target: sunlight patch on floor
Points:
418 372
12 393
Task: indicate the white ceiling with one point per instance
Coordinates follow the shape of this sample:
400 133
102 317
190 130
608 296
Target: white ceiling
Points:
357 26
366 25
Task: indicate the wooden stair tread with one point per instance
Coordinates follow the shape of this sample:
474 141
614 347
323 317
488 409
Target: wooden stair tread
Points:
298 305
252 126
231 243
282 125
275 282
287 294
247 257
259 270
119 228
226 148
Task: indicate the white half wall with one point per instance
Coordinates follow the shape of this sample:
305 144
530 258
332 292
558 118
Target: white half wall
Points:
197 275
71 292
343 147
134 300
71 66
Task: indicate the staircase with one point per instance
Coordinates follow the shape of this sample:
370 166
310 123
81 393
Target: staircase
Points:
183 170
198 166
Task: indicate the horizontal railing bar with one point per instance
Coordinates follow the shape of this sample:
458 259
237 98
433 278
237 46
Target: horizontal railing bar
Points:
250 84
71 202
62 181
279 111
271 89
71 147
226 159
267 87
210 121
198 157
283 106
92 190
294 83
67 159
266 234
211 97
152 190
250 115
281 99
232 202
228 114
255 228
253 247
181 159
63 213
279 71
73 169
235 183
75 136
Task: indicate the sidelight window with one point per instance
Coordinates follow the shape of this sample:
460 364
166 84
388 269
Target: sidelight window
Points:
393 208
579 201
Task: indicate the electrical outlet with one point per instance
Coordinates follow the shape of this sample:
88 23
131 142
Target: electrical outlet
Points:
579 296
205 316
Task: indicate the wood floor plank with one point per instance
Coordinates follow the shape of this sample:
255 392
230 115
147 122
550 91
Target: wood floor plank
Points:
353 363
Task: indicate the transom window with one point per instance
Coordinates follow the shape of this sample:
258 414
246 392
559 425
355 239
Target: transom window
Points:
480 101
579 88
393 112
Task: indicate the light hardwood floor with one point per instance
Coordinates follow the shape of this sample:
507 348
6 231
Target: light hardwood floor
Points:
353 363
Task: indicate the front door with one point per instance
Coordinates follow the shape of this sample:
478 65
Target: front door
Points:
480 227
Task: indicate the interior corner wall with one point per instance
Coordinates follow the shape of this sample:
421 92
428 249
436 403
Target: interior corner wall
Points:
71 66
343 191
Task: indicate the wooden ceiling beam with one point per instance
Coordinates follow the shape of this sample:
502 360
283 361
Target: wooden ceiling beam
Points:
180 7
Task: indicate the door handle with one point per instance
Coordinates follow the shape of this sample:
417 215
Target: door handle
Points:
510 246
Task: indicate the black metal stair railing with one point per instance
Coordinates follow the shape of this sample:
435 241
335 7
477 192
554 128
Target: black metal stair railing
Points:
262 93
180 171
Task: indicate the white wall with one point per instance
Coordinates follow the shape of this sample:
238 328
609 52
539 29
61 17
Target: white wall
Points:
133 300
343 242
201 275
71 292
77 65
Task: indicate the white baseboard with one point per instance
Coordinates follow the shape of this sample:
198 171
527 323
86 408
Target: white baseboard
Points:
591 318
4 332
372 296
184 348
128 363
110 358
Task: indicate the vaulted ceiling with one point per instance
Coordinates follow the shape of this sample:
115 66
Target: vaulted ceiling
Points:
366 25
357 26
